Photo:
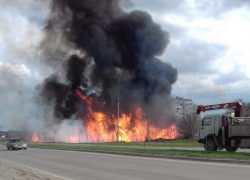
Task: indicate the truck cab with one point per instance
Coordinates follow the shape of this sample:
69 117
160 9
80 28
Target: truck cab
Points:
211 130
211 124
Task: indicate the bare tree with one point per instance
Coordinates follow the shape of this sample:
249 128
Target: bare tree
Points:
188 125
246 108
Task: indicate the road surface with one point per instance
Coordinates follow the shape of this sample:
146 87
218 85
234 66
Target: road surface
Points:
96 166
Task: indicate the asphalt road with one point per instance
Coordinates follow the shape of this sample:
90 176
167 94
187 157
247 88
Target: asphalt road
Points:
90 166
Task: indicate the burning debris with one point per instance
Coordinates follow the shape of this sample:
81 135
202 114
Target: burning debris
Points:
98 51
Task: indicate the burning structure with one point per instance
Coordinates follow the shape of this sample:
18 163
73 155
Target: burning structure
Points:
96 51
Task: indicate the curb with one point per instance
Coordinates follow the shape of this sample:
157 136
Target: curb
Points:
200 159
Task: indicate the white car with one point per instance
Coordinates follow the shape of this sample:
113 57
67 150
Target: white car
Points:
16 143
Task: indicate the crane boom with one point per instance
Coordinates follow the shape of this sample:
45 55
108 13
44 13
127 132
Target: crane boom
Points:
236 106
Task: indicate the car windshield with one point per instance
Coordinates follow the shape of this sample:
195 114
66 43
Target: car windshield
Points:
15 140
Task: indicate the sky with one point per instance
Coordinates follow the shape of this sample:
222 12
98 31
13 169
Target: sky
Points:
209 48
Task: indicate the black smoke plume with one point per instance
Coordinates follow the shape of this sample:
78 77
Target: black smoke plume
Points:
109 52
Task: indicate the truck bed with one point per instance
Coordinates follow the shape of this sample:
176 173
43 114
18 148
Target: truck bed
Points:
242 130
240 127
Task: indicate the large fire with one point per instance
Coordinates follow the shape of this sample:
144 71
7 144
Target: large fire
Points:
101 128
98 127
36 138
103 62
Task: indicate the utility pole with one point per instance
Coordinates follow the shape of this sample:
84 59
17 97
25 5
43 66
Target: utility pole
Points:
118 100
79 135
113 129
68 135
148 128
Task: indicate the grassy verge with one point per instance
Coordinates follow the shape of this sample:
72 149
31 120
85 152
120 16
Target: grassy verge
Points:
174 143
3 140
171 152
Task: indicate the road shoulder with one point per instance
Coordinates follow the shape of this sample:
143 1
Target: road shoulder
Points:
10 170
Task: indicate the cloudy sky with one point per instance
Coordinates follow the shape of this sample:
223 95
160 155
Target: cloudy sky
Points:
209 48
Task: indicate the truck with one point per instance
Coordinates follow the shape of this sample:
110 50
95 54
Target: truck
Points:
225 130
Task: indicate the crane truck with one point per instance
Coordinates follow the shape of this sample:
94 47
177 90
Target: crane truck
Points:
227 130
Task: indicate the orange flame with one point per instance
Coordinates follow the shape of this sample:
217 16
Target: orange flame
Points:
104 102
88 100
101 128
35 138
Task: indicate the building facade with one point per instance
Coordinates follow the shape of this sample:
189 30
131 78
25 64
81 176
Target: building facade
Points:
181 106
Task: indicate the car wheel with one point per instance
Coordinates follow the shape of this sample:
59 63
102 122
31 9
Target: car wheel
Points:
210 145
8 148
231 149
25 148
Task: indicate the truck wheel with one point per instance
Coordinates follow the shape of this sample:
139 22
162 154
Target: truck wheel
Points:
210 145
231 149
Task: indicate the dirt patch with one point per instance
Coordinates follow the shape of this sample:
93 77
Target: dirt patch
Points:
11 171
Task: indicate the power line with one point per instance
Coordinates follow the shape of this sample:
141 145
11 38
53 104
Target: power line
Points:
7 107
215 92
220 95
211 85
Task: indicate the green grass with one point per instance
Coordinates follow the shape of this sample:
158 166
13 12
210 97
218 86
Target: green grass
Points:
170 152
173 143
3 140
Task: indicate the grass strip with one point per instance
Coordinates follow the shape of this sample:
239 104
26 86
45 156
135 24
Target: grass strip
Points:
175 143
3 140
171 152
172 143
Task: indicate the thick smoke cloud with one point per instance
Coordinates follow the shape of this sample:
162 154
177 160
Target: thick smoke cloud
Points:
110 52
